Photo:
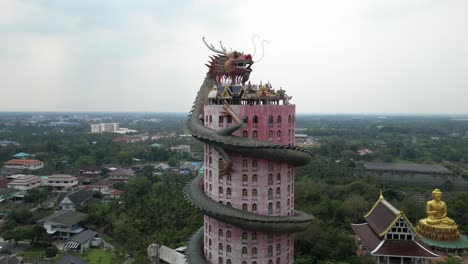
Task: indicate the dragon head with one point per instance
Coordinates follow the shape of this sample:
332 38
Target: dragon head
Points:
234 65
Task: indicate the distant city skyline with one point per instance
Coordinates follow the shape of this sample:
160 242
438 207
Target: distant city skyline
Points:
334 57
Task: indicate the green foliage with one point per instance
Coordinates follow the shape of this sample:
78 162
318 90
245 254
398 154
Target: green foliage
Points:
450 260
152 210
51 251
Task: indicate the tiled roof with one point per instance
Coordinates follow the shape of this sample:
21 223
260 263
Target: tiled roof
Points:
83 237
68 259
80 196
382 216
370 239
4 183
60 177
121 172
105 182
26 179
406 167
64 217
408 248
23 162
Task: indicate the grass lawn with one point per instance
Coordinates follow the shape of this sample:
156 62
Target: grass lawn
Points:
33 252
99 256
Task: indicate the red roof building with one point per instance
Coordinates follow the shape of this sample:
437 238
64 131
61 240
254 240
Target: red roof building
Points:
30 164
389 236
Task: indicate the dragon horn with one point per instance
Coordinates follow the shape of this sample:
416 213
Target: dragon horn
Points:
212 48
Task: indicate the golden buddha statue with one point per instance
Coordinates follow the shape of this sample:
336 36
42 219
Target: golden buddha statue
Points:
437 225
437 210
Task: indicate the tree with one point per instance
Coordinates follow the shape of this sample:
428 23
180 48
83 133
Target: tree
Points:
356 206
51 252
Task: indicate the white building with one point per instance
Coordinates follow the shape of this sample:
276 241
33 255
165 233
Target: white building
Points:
63 224
104 127
22 164
25 182
61 182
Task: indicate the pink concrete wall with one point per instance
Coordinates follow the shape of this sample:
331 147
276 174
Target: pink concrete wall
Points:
267 188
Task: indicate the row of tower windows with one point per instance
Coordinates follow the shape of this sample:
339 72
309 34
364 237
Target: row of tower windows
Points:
245 178
255 120
245 235
254 191
245 250
228 261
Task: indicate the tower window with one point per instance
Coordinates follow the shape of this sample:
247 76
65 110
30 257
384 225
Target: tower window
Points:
245 119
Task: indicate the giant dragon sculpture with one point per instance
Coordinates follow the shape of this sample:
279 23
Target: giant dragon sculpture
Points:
235 66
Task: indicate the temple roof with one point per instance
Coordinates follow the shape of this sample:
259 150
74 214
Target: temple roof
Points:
368 237
379 221
403 248
382 216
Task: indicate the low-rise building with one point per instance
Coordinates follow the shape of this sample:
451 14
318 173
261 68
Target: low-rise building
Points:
30 164
91 171
63 224
61 182
82 241
4 143
181 149
104 187
25 182
22 155
75 199
121 174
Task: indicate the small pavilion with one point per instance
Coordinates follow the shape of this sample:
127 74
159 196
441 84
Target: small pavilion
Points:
390 238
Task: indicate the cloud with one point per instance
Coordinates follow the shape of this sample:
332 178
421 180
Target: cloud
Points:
332 56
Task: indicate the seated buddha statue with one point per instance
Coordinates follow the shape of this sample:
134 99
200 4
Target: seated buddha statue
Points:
437 210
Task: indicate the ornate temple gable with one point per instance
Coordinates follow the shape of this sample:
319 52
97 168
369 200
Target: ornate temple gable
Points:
400 230
225 92
388 232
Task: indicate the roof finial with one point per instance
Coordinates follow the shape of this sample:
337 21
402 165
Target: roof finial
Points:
381 195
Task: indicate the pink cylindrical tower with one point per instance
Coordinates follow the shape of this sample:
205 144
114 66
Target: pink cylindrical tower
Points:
255 185
247 189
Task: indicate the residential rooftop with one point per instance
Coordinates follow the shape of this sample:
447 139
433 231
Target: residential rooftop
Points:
407 167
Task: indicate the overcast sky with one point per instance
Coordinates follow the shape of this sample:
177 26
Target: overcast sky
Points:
366 56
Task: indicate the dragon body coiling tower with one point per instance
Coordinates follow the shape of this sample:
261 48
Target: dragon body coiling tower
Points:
247 190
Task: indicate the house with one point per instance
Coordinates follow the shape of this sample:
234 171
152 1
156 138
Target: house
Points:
104 187
162 167
82 241
22 164
181 149
10 194
4 143
190 167
91 171
61 182
75 199
69 259
22 155
121 174
25 182
131 139
63 224
389 236
117 193
4 183
363 152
